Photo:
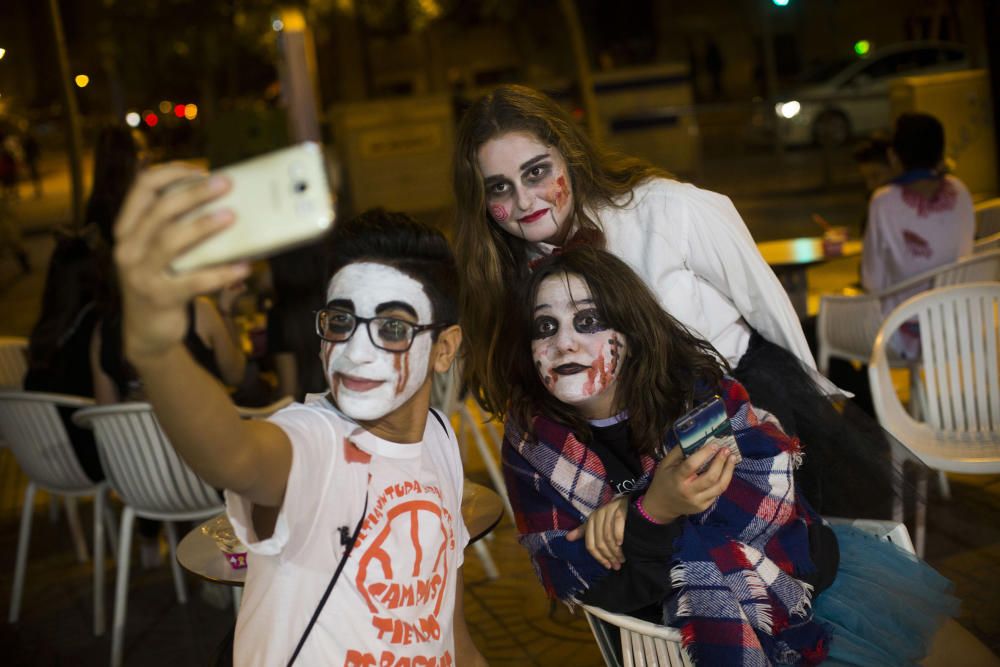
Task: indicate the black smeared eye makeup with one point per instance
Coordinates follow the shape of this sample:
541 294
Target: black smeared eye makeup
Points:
587 321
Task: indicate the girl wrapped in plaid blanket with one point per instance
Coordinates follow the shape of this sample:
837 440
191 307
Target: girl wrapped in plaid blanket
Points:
613 515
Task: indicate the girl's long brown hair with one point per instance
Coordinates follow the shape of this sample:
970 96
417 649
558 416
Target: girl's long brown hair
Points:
493 263
666 367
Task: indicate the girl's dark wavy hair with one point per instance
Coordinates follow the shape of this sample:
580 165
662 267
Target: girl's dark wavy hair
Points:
666 367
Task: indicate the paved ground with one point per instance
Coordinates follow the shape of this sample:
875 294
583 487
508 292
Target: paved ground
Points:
510 619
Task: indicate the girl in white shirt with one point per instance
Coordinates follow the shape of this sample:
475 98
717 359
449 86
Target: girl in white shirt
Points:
528 181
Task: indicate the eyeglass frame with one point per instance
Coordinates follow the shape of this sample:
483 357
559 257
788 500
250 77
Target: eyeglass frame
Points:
358 320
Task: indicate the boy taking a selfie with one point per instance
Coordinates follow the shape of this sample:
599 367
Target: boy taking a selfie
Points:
364 481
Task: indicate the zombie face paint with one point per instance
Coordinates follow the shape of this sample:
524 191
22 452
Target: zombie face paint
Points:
527 187
367 382
577 356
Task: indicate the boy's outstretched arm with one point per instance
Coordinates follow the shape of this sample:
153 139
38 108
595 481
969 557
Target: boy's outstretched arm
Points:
252 458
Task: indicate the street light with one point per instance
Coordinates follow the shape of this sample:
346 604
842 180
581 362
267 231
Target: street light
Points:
82 80
3 52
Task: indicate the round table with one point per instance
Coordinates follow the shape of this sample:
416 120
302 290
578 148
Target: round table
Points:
482 509
789 258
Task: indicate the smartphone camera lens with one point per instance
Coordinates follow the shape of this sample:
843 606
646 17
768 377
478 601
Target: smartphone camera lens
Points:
301 186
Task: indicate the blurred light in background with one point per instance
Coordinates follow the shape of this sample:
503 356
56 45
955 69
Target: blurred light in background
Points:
780 3
191 111
277 25
788 109
82 80
151 118
166 106
3 52
179 110
132 119
862 47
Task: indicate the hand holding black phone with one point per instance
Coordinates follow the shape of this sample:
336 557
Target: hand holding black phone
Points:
706 423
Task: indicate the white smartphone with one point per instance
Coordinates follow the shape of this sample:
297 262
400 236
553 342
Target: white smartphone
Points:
280 199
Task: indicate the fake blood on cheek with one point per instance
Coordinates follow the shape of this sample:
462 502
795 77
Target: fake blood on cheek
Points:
401 362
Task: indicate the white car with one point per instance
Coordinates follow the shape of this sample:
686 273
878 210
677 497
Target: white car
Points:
852 97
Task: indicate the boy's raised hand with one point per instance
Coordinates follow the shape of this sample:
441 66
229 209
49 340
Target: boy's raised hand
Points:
154 298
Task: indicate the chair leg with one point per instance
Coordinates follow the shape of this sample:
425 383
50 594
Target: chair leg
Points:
487 455
487 560
99 621
921 519
121 586
76 530
174 565
110 527
943 486
23 538
899 470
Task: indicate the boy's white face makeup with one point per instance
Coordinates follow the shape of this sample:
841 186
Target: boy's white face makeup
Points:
577 356
527 187
368 382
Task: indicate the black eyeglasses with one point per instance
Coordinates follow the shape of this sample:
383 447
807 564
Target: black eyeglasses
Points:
386 333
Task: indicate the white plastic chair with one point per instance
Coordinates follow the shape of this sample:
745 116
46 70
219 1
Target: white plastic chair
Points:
645 644
959 382
13 361
987 217
153 482
31 424
991 242
847 325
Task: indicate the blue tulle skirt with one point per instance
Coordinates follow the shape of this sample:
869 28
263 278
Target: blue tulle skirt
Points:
885 605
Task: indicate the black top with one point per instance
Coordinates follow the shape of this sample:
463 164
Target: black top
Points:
69 372
113 362
643 582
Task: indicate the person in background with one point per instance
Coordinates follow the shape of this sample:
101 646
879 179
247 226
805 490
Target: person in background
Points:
10 231
32 154
58 360
364 480
297 280
921 220
719 544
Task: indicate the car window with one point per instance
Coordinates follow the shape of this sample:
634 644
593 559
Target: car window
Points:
898 64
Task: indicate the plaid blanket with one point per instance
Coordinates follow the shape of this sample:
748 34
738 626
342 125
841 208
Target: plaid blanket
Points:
736 598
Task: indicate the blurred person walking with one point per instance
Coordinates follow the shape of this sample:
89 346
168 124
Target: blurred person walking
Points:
923 219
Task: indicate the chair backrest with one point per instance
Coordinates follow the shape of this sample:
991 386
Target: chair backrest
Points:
987 218
142 466
978 267
32 427
13 361
645 644
960 344
991 242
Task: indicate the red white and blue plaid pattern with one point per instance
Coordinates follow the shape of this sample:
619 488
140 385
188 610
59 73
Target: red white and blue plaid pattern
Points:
737 600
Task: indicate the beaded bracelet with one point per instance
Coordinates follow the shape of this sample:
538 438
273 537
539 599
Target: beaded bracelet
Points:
642 511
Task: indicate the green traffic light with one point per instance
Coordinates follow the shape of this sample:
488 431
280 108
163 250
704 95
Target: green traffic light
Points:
781 3
862 47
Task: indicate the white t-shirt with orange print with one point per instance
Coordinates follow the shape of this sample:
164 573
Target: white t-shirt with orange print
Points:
395 599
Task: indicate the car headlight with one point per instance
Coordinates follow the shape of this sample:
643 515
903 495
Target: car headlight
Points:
788 109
